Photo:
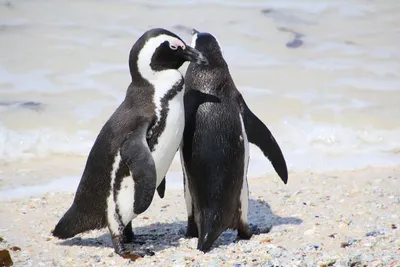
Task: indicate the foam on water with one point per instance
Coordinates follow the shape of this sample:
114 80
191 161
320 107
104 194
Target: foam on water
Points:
331 102
40 143
306 145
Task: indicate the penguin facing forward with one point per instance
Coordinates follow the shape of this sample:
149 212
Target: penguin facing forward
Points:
135 147
215 150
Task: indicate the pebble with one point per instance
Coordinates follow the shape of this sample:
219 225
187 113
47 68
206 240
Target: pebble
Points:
325 263
375 232
96 258
355 261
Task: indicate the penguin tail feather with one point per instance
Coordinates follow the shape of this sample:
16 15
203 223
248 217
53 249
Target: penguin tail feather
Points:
74 222
209 231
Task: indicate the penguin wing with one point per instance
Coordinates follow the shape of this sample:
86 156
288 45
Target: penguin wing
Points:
135 153
261 136
161 188
193 99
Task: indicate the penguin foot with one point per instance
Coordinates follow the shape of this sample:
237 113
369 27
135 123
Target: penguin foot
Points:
129 236
133 255
191 234
192 230
244 231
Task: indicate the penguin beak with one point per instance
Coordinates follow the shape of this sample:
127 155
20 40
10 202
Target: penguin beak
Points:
193 55
194 31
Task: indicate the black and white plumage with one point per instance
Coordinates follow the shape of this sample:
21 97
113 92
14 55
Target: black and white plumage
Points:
136 146
215 150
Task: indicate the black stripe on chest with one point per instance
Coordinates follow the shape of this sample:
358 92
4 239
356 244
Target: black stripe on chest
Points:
159 126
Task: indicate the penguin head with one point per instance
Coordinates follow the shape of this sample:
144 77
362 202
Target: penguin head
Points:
208 45
158 50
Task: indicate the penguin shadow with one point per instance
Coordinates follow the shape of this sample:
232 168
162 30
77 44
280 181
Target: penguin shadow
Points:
156 237
160 236
261 220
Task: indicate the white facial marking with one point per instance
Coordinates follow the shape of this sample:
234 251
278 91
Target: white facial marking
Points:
113 224
220 47
244 194
146 53
188 196
194 39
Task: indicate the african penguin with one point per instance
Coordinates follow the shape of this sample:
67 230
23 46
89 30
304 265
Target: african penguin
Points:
215 150
135 147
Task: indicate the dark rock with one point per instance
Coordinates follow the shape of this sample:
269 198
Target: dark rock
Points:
15 248
295 43
344 244
5 258
36 106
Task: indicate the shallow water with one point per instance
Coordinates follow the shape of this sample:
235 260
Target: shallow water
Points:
324 76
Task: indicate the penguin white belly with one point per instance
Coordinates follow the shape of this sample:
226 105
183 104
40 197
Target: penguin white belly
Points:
170 139
188 196
244 194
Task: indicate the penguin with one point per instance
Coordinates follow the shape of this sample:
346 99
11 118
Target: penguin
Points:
135 147
215 150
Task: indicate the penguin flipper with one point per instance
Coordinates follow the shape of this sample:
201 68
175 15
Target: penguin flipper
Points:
136 154
193 99
262 137
161 188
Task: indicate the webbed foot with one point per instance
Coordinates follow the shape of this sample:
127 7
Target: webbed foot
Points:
133 255
244 231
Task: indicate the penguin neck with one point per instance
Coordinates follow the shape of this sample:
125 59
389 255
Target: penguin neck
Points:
141 71
209 79
170 76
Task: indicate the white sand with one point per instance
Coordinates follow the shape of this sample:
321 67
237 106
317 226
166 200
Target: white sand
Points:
311 218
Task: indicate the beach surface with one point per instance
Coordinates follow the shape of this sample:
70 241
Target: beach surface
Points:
333 219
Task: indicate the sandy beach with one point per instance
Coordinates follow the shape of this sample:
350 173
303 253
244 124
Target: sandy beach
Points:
332 219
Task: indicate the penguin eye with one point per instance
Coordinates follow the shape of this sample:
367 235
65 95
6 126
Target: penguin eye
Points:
173 47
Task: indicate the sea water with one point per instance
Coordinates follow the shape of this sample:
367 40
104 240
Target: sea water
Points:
324 76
